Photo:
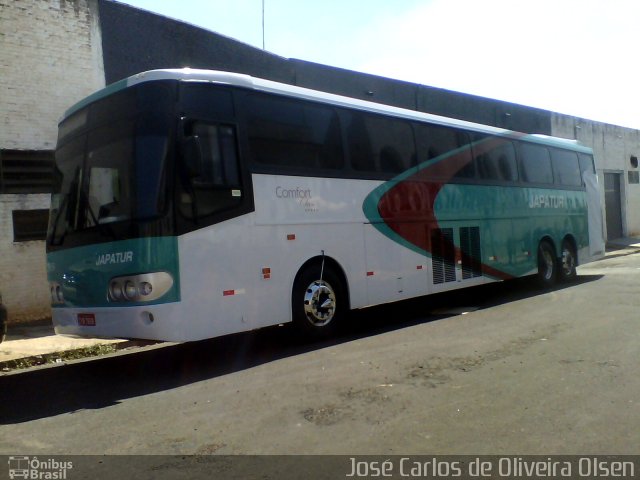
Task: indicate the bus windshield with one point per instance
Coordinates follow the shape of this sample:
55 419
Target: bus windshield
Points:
109 170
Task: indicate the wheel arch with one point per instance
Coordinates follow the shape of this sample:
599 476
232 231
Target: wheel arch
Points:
547 265
331 263
549 239
572 240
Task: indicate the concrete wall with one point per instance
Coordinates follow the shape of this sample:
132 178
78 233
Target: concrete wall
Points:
613 146
50 57
355 84
422 98
631 213
135 40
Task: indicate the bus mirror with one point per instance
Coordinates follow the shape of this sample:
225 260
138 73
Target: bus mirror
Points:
192 155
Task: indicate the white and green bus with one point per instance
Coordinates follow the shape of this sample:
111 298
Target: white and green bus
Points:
192 204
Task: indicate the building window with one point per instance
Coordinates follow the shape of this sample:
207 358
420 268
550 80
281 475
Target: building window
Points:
634 161
26 171
634 177
30 224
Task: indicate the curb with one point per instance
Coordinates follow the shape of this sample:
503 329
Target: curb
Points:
613 251
63 357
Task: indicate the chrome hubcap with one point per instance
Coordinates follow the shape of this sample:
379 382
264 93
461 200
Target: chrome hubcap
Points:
319 303
568 262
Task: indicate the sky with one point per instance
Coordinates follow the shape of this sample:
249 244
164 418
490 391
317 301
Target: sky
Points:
577 57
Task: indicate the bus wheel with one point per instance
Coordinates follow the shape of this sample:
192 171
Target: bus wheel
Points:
547 265
318 305
568 262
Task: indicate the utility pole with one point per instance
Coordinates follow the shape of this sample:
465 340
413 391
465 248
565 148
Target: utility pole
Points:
263 25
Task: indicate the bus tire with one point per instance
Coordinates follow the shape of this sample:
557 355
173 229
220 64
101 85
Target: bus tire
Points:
547 265
318 305
568 261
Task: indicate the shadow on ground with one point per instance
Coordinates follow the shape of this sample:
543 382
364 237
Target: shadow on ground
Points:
106 381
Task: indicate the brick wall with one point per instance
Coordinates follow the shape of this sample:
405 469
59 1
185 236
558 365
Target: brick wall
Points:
23 273
50 57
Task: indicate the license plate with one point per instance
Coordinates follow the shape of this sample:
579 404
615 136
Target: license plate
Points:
86 319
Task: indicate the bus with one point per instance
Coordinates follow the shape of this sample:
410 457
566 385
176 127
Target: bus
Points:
191 204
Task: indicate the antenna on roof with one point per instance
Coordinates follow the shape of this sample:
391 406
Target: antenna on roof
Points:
262 24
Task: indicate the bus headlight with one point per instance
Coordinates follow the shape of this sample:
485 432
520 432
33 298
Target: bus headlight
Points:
130 290
115 291
144 287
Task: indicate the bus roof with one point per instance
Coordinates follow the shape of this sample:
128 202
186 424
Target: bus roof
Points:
259 84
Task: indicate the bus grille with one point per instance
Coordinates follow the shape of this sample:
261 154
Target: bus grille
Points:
470 247
444 255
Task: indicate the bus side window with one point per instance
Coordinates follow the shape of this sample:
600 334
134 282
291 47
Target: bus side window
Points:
468 171
586 164
379 145
495 158
215 184
219 160
535 164
566 168
448 147
293 136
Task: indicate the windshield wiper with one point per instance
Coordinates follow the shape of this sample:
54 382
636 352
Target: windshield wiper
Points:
61 209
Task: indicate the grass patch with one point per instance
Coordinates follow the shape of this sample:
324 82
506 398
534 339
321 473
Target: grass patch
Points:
58 357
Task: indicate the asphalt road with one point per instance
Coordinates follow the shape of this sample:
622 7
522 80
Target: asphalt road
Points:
521 372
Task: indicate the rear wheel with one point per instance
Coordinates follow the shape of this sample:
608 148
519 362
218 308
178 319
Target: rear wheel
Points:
318 304
568 262
547 264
